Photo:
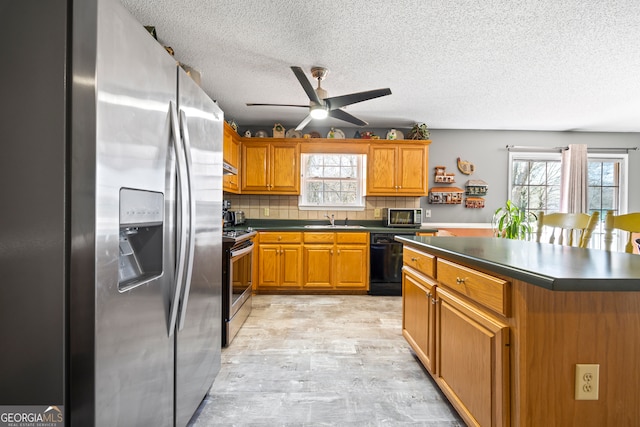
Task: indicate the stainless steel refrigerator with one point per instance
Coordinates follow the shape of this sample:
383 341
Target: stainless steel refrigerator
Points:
110 225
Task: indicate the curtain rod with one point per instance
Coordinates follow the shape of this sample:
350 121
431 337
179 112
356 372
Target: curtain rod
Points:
558 149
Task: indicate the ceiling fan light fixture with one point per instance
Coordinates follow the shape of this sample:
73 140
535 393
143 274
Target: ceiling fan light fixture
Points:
318 112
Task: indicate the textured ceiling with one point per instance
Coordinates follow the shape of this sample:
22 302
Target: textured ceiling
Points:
457 64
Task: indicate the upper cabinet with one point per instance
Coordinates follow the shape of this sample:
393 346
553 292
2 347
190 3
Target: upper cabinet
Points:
231 155
397 169
270 168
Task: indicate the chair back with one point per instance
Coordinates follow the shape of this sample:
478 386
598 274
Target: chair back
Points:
577 227
627 222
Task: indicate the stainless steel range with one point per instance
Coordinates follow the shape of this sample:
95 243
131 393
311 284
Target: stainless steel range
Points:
237 269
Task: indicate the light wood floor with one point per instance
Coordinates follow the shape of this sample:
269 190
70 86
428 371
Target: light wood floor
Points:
323 361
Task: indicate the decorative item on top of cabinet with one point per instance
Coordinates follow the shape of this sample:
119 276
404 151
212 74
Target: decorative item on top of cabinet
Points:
474 202
476 187
278 131
395 134
466 167
442 177
418 131
446 195
233 125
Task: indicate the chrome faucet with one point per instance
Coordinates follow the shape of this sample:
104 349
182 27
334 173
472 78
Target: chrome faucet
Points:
331 219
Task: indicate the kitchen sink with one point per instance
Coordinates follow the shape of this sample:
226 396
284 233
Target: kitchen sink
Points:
320 226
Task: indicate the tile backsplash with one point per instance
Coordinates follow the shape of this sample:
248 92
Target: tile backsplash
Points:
286 207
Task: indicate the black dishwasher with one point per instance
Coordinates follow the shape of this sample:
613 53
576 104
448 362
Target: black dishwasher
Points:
385 264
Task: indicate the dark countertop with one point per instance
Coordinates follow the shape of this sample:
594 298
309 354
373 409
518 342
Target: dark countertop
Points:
299 225
558 268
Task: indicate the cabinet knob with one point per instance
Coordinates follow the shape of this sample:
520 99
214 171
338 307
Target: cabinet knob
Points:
414 259
338 251
331 251
459 280
279 238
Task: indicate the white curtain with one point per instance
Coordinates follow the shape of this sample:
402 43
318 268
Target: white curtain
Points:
573 190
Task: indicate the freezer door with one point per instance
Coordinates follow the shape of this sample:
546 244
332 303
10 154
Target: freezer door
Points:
198 338
135 207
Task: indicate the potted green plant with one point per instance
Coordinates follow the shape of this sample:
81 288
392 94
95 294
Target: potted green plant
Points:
513 222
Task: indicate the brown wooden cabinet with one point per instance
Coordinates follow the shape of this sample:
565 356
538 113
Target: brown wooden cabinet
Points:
396 169
453 318
473 360
336 261
231 155
270 167
279 261
418 315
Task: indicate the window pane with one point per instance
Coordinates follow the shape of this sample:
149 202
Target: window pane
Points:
332 172
553 198
538 173
520 172
594 199
608 174
609 198
554 173
537 198
594 175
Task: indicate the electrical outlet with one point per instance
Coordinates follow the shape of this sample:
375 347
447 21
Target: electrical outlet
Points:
376 213
427 213
587 378
266 211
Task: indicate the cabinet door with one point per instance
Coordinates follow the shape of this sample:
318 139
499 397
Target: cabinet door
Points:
231 155
285 169
291 266
412 170
255 168
268 265
418 316
381 170
472 368
318 266
351 267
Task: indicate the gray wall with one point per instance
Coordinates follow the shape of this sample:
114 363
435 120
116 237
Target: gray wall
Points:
486 149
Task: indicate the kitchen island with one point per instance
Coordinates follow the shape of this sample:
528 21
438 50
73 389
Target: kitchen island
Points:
501 325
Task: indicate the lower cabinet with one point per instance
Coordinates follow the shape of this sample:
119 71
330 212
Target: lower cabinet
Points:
279 261
472 368
313 261
336 261
418 315
459 334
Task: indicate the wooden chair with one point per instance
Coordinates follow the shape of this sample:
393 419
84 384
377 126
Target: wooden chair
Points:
579 225
627 222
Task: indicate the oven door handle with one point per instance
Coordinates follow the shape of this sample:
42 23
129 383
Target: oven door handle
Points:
241 252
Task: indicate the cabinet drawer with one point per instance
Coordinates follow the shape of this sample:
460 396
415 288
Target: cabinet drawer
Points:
349 237
319 237
487 290
424 263
280 237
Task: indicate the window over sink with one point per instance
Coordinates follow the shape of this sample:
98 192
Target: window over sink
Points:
332 181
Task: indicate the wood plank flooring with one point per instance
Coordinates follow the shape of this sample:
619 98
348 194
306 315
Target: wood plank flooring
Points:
323 360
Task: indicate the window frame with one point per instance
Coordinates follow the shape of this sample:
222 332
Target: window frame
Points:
360 180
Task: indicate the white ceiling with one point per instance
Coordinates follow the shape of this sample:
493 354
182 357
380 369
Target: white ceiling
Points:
455 64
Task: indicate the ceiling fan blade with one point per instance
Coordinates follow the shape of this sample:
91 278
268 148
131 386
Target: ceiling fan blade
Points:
304 81
343 115
304 122
276 105
352 98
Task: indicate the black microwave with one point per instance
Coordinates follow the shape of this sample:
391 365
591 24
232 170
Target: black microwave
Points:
402 217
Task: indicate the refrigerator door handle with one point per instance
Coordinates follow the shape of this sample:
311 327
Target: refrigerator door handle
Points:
191 221
182 217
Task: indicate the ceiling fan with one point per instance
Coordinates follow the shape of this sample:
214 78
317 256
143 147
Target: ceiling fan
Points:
320 106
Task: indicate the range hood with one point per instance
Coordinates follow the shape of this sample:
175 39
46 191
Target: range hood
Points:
227 169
